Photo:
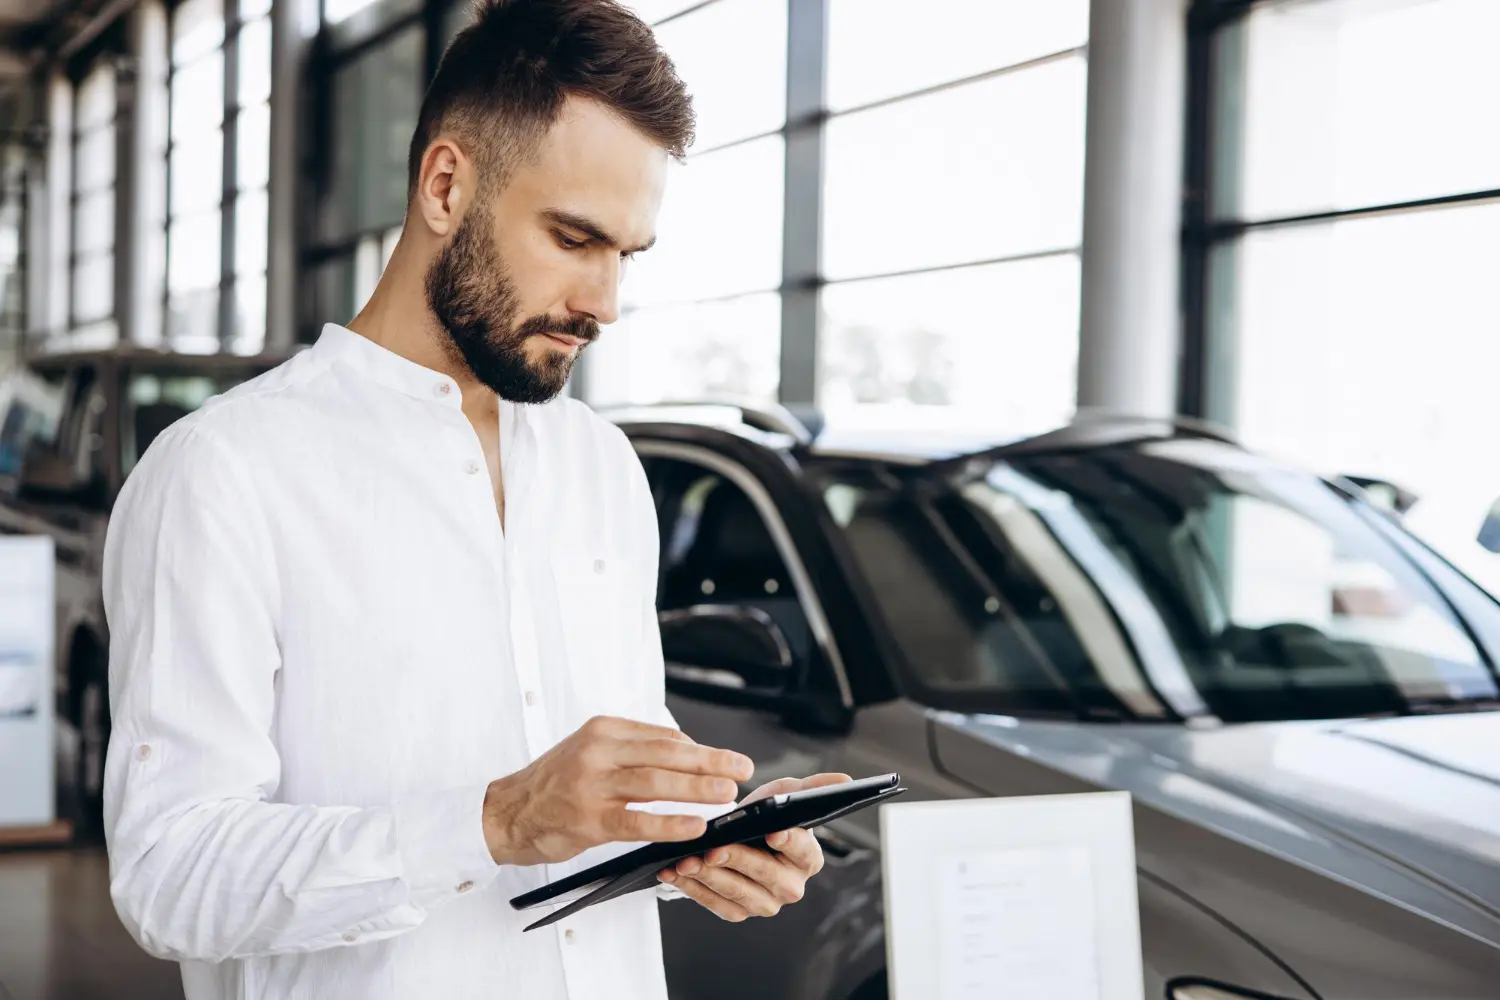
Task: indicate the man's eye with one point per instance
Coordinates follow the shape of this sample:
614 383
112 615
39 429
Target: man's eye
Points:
627 255
567 243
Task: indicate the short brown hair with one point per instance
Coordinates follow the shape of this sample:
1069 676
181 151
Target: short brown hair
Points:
502 82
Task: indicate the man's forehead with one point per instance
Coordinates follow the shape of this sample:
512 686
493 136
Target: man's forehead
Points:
595 163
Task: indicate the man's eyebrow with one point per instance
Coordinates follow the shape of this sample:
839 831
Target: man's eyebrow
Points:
591 229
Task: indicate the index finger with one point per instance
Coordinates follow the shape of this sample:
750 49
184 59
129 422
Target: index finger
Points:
686 758
630 729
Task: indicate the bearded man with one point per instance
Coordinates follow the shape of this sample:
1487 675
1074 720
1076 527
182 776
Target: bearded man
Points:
384 651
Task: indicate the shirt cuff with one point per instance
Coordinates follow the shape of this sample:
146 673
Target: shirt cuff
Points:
440 838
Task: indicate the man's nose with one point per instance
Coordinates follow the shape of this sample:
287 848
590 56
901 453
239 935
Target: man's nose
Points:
600 297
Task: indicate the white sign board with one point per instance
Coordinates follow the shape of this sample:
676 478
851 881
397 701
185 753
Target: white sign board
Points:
27 786
1012 899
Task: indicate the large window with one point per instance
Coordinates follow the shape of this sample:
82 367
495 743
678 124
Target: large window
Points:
952 210
375 93
903 194
701 312
92 295
1352 244
218 169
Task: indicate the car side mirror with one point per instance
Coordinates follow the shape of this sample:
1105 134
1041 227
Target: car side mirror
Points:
726 653
1207 989
1385 494
1489 531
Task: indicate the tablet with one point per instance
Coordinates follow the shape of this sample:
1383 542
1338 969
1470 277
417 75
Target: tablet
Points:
749 824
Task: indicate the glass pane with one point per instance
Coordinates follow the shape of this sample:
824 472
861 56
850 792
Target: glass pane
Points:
998 344
694 352
1369 347
95 159
732 56
249 335
197 27
335 11
198 97
193 321
987 170
253 146
250 232
96 99
94 223
378 98
197 174
193 252
1356 103
93 288
877 49
456 18
255 62
652 11
719 232
334 292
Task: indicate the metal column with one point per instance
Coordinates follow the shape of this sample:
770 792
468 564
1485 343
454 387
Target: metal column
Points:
806 73
293 23
1130 333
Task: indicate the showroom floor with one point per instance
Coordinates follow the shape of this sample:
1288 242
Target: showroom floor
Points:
60 938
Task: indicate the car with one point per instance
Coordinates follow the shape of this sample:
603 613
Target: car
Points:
1299 696
72 425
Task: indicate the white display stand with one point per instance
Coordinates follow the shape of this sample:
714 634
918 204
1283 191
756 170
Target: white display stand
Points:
1012 899
27 746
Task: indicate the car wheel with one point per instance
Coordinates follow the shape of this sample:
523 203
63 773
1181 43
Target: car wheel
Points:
93 741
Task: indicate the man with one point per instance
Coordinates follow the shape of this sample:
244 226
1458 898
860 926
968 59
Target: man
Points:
365 694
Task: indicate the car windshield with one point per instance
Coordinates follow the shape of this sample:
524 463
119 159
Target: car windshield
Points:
154 400
1160 581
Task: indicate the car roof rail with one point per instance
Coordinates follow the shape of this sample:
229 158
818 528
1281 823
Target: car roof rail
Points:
801 424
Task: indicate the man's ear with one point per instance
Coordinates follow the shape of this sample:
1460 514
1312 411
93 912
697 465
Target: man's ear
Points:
444 186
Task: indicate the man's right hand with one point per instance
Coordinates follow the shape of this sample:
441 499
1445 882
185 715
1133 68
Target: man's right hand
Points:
574 796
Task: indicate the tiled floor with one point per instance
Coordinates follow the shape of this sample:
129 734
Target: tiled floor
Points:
60 938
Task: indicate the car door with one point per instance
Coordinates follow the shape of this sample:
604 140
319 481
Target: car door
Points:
725 545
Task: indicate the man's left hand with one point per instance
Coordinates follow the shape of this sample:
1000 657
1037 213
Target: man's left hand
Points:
739 881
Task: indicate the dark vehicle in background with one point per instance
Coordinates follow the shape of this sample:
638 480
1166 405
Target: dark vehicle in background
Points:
1300 697
71 428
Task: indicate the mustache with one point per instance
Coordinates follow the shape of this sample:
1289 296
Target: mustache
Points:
584 328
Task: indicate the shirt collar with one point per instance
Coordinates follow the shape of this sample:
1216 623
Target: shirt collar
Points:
341 344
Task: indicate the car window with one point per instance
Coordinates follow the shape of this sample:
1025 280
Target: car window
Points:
717 549
31 410
154 400
1150 582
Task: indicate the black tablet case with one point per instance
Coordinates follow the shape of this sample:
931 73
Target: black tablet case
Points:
637 869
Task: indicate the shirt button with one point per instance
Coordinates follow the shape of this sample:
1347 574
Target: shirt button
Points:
442 388
351 937
530 698
465 886
471 467
598 565
568 935
144 753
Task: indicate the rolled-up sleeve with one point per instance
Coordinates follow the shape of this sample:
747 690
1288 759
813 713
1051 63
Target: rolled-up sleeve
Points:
204 864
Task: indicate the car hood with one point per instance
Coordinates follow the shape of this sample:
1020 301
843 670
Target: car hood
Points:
1408 807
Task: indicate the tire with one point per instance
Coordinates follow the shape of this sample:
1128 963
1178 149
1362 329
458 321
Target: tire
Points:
93 741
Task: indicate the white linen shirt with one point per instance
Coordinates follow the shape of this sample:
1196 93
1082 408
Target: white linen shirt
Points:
324 647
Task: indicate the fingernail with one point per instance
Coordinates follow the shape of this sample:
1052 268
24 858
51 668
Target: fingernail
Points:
778 839
667 876
745 764
690 867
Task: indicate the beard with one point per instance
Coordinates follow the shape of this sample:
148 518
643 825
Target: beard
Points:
475 302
